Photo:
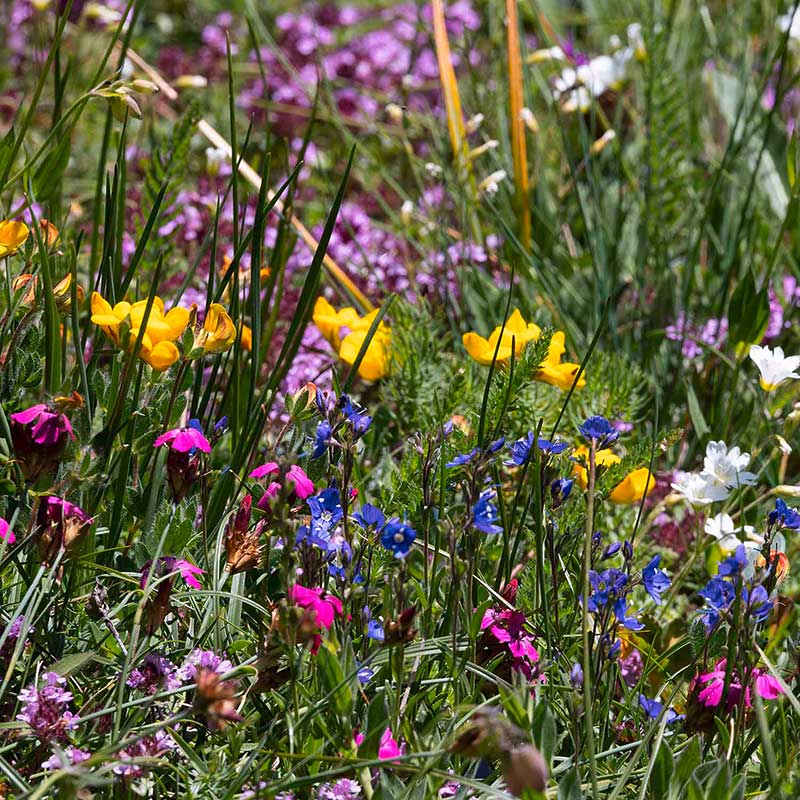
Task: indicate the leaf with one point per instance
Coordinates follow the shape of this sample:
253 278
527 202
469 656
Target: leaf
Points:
6 148
333 679
569 788
695 412
73 662
47 176
662 770
544 732
720 788
685 765
748 313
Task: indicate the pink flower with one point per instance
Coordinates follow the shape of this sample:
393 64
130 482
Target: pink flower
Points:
270 468
6 534
185 440
507 627
170 564
389 748
766 685
319 613
59 524
300 485
39 436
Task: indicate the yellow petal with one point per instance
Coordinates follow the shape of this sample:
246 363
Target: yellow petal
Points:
632 488
177 319
482 350
560 375
162 356
602 458
375 364
247 338
12 236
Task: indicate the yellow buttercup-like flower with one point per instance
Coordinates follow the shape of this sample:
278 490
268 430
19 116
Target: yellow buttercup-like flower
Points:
346 332
218 332
516 332
13 235
554 371
158 347
631 489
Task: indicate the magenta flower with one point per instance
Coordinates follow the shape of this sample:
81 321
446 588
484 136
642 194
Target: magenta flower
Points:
183 461
170 564
507 628
154 673
299 484
185 440
132 760
389 748
320 612
46 709
39 436
765 684
6 534
59 524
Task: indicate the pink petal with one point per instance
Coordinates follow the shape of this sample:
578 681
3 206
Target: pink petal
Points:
6 534
303 485
712 694
768 687
270 468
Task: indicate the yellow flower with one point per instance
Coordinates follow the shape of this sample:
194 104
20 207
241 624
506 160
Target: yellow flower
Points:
516 331
556 373
12 236
346 332
375 364
158 347
330 321
218 332
631 489
247 338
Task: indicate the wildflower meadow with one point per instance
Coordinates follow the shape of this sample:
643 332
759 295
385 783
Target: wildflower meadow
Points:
399 399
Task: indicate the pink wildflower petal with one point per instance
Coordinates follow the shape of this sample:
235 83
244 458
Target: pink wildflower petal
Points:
488 618
6 534
303 486
270 468
501 634
388 746
712 694
188 572
768 687
29 414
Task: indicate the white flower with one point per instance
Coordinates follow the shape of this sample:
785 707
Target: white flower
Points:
531 123
774 366
473 123
546 54
406 211
698 489
721 527
434 170
579 85
491 183
727 467
790 22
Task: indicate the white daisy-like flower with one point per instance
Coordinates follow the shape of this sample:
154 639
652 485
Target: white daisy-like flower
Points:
727 467
697 489
774 366
723 529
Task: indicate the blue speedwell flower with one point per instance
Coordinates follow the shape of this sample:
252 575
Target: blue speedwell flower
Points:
322 438
735 564
356 417
560 490
655 580
375 630
785 516
485 513
465 458
653 709
326 513
369 517
521 449
398 537
600 431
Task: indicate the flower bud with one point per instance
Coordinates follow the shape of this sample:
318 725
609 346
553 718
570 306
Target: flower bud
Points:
241 544
215 699
524 769
39 436
59 524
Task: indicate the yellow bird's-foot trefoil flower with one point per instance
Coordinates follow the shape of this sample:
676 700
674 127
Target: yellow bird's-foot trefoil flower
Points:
217 333
517 334
124 320
554 371
631 489
13 235
346 332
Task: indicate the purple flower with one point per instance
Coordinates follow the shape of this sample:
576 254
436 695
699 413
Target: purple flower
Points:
154 673
129 760
322 438
375 630
369 517
485 513
576 676
326 513
46 709
653 709
168 565
183 460
560 490
358 420
13 634
59 524
521 449
784 516
203 659
343 789
39 436
463 458
70 756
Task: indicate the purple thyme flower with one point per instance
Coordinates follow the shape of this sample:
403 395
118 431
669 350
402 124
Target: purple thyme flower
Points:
46 709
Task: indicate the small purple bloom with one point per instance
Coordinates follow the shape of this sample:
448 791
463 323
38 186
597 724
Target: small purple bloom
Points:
485 513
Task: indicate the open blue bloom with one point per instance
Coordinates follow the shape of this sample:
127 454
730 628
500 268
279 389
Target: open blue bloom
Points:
369 517
375 630
607 586
365 675
398 537
560 490
733 565
759 604
356 417
718 595
485 513
321 438
463 458
521 449
621 613
326 513
600 431
785 516
653 709
655 580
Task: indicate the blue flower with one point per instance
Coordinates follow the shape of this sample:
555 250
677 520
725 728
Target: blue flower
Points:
653 710
375 630
356 417
463 458
621 613
608 585
369 517
719 595
322 438
611 550
485 513
560 490
759 604
326 513
733 565
521 449
785 516
600 431
365 675
494 446
398 537
576 676
655 580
